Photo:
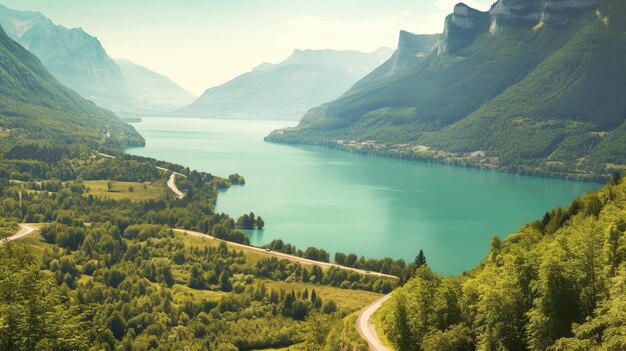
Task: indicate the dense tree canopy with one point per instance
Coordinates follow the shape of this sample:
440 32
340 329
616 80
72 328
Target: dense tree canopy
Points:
558 284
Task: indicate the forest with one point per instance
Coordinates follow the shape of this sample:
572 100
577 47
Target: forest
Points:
558 284
387 265
113 275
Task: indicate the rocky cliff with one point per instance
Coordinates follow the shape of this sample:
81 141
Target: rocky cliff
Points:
512 13
465 24
410 47
462 27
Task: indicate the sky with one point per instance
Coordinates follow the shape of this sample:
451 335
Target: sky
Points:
203 43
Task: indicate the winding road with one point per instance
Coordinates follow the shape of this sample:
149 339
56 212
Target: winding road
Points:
286 256
367 329
25 229
171 183
28 228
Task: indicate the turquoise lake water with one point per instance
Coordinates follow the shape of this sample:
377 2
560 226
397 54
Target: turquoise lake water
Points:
339 201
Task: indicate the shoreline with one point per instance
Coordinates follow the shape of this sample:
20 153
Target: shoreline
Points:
370 148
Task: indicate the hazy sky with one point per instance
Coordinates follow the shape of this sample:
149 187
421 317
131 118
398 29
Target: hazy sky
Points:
203 43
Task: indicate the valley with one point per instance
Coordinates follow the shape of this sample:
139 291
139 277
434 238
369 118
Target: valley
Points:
315 196
324 193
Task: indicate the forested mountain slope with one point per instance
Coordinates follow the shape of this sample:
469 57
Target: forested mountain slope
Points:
35 107
79 61
557 284
527 86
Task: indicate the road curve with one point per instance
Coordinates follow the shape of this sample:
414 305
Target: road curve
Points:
171 183
25 229
368 330
283 255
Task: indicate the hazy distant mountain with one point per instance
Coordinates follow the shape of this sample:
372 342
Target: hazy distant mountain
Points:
34 106
288 89
534 85
149 88
79 61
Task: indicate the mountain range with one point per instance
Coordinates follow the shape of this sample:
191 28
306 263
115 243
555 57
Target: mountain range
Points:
36 108
288 89
79 61
528 86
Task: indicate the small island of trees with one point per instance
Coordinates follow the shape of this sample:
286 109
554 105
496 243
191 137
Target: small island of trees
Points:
250 221
236 179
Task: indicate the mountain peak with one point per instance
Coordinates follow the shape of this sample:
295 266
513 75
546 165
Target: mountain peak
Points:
528 13
464 24
411 46
382 51
462 27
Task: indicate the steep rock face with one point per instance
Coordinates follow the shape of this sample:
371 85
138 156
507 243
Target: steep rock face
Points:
464 24
462 27
410 47
515 13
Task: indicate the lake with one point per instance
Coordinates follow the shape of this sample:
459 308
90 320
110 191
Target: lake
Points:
368 205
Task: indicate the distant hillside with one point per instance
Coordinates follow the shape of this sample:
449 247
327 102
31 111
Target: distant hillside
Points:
288 89
79 61
533 87
151 89
35 107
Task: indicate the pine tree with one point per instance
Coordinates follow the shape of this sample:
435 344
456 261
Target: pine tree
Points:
225 284
420 260
404 336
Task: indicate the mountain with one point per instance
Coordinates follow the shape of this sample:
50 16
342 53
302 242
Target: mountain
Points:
529 86
79 61
35 107
152 89
288 89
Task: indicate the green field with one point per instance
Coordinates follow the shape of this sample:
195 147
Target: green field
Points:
7 228
121 190
344 298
